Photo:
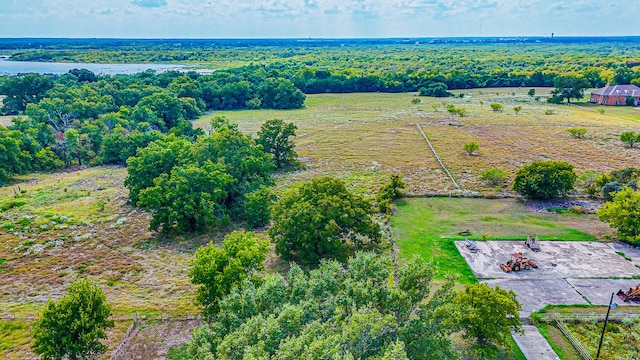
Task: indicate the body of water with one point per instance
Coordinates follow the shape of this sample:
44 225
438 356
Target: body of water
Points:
8 67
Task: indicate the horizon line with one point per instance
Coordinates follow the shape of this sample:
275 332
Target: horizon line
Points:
328 38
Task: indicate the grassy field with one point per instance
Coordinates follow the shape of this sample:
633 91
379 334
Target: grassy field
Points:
429 226
57 228
65 226
361 137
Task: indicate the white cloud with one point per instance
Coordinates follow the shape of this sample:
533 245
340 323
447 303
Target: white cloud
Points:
317 18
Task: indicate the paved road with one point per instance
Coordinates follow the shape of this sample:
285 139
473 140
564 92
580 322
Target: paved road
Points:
533 345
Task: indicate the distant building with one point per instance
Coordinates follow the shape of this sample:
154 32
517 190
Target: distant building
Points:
616 95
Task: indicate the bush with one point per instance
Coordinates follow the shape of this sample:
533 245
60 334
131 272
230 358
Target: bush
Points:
577 133
471 147
517 109
609 189
630 138
453 110
416 101
545 179
493 176
390 192
496 107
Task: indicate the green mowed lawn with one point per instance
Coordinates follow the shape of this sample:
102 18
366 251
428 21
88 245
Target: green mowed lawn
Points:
429 226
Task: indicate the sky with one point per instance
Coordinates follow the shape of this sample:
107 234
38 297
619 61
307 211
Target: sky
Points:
315 18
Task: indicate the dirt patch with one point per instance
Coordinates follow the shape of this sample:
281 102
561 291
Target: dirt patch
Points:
544 205
152 340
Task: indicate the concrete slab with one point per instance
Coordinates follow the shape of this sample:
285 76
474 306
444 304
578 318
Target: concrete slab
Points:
557 260
534 294
630 252
598 291
533 345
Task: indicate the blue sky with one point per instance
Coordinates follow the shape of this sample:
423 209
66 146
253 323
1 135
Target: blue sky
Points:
315 18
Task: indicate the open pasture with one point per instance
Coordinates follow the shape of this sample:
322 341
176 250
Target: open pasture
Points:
65 226
362 137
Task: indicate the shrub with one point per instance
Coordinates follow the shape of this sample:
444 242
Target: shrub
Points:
493 176
577 133
630 138
496 107
548 112
471 147
517 109
609 189
416 101
545 179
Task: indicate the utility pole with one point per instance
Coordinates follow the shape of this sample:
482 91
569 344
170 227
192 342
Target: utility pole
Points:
606 319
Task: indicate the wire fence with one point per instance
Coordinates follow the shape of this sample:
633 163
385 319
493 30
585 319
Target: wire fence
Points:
438 158
575 342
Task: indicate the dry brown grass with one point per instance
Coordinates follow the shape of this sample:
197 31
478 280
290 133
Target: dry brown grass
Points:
362 137
139 270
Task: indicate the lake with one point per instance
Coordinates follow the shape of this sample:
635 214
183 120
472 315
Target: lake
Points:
8 67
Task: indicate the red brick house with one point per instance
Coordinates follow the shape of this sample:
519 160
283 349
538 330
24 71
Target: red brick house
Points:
616 95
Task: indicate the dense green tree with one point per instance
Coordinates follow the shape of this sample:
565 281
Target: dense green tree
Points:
437 89
13 160
352 311
623 76
21 90
275 138
73 326
218 269
545 179
319 219
167 108
242 158
623 213
188 199
280 93
120 145
568 87
158 158
487 317
257 207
